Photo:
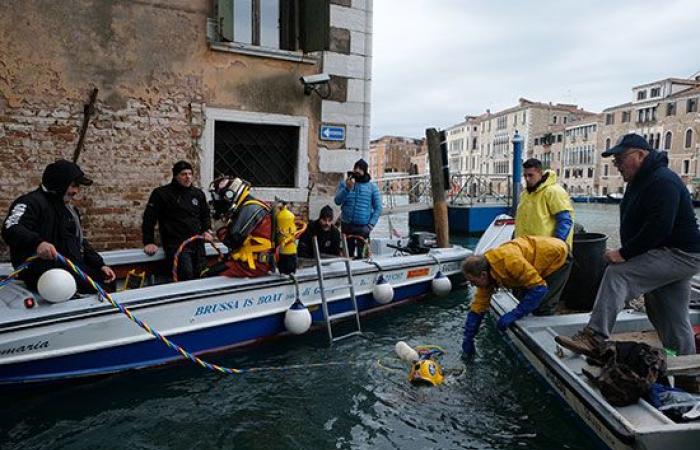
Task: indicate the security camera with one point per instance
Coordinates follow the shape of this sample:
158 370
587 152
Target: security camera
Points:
310 80
312 83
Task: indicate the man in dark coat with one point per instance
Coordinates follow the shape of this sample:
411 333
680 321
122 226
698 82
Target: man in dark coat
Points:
43 222
181 211
659 255
327 235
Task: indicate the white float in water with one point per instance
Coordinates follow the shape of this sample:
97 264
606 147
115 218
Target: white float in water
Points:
406 352
56 285
383 291
441 285
297 319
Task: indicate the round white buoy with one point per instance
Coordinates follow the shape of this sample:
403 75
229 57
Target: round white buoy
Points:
406 352
297 319
441 285
383 291
56 285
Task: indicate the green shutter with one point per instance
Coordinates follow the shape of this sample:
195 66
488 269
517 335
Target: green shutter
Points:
315 21
224 10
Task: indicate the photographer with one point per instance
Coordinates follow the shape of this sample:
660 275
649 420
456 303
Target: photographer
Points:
360 205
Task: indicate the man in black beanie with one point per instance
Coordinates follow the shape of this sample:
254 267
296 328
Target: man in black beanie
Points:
326 233
44 222
181 211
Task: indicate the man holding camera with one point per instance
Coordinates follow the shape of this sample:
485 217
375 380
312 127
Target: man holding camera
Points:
360 206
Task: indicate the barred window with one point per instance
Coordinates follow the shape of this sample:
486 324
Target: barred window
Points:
265 155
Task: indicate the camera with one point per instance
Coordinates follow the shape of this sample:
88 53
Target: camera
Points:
351 174
315 79
312 83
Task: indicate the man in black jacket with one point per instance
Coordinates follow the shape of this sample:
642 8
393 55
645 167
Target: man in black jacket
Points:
328 236
181 211
659 255
43 222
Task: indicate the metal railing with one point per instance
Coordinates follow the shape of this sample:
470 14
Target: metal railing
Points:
404 193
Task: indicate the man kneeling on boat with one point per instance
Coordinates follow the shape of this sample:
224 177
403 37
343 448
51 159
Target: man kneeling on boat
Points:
248 230
534 264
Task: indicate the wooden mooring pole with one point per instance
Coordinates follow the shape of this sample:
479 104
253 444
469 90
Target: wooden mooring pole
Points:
439 182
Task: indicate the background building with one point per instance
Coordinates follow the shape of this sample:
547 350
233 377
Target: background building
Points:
666 113
578 171
392 154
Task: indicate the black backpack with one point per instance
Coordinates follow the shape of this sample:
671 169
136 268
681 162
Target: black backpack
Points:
628 371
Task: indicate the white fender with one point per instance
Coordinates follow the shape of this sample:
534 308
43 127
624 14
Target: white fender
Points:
56 285
441 285
383 291
297 319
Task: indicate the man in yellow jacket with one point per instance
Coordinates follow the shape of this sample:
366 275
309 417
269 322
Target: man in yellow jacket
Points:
544 210
535 264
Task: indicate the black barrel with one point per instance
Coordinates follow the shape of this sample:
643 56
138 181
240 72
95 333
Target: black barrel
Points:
586 272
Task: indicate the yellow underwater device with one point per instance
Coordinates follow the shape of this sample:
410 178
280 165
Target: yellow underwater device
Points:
425 368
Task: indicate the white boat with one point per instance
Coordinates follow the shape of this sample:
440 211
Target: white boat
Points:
88 337
638 426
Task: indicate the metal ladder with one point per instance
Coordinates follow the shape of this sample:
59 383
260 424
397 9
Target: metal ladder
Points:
328 318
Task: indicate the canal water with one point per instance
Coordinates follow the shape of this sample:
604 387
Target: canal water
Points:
490 402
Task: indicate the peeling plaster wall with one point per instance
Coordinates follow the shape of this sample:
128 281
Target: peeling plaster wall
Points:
156 74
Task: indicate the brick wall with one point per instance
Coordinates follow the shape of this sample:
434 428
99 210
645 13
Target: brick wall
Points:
157 77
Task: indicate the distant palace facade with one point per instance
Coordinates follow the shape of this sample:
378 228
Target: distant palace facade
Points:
569 140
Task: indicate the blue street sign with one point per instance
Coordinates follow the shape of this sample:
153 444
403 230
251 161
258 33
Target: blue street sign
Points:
331 133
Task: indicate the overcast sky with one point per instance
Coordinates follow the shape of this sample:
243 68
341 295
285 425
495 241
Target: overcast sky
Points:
435 61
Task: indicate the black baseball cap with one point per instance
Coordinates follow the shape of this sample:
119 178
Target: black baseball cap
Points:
631 140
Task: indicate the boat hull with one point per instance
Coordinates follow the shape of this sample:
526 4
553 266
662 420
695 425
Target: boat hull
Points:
203 317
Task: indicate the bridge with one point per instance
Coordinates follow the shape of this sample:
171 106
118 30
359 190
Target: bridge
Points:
405 193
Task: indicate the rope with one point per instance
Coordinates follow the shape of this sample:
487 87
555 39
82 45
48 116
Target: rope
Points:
8 279
185 243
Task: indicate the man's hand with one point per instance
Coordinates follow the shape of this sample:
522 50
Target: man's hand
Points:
150 249
46 250
208 237
350 183
614 256
109 274
507 320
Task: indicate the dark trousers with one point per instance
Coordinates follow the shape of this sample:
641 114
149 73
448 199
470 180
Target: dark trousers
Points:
191 262
355 245
555 287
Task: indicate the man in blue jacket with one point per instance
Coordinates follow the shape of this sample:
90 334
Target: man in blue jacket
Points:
659 255
360 206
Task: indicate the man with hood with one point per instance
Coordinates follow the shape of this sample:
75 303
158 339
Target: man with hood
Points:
181 211
545 209
659 255
360 206
43 222
327 235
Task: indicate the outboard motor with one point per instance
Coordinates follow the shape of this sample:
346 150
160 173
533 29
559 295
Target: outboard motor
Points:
421 242
418 243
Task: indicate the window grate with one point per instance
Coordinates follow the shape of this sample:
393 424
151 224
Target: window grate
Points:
265 155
